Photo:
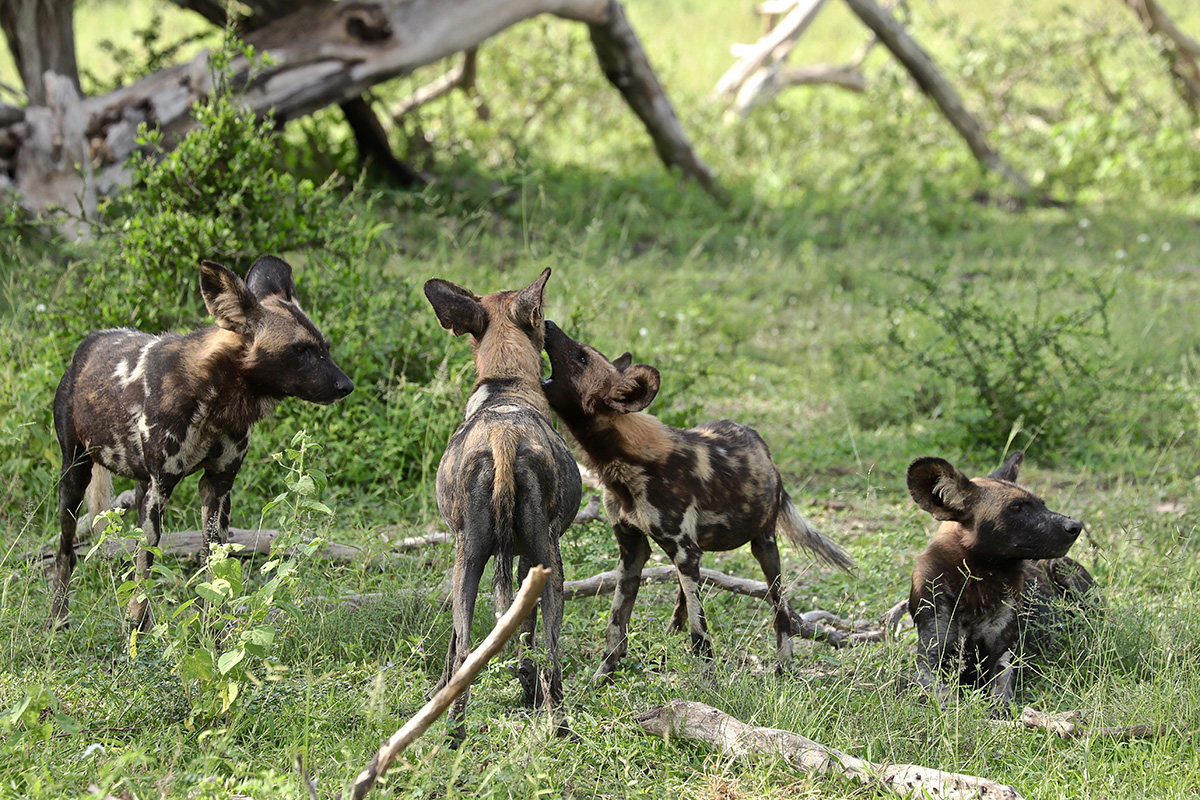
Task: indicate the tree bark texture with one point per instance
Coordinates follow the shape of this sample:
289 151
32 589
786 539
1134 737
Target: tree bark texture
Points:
41 37
330 53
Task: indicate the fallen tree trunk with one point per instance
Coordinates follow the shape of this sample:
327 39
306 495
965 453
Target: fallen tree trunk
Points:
321 55
732 737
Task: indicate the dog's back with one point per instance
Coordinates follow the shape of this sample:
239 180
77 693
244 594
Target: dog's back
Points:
507 481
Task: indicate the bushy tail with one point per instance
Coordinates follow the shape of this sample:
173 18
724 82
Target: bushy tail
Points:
97 498
801 532
504 501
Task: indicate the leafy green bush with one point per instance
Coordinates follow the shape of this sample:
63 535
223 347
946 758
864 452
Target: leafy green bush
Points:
1042 372
218 194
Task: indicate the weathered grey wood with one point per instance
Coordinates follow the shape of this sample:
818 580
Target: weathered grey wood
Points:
690 720
774 46
925 73
41 38
330 53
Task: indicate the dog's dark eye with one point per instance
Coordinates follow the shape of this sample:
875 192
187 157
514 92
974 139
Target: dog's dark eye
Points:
582 357
1016 507
300 348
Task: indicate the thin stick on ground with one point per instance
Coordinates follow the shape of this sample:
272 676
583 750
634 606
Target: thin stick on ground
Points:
733 737
1072 725
525 600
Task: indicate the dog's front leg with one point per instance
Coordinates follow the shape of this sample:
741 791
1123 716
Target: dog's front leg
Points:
635 549
1001 677
215 491
936 635
72 485
152 502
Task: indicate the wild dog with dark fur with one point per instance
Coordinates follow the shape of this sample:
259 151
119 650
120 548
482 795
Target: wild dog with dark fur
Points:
159 408
713 487
992 581
507 481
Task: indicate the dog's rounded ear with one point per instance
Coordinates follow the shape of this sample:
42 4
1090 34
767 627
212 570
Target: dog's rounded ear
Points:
527 308
1008 470
632 388
228 298
623 361
457 309
940 489
271 276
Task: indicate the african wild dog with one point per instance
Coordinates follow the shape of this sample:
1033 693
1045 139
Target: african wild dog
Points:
708 488
507 481
158 408
993 580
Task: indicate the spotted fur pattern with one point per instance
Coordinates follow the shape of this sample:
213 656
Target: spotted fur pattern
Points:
159 408
507 482
995 567
713 487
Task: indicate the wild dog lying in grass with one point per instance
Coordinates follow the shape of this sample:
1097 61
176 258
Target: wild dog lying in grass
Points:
507 480
993 580
713 487
158 408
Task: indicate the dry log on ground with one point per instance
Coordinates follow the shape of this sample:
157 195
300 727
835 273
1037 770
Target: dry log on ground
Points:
322 54
735 738
921 67
505 627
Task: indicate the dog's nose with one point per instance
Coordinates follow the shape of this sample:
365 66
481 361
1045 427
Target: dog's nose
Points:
1073 528
345 386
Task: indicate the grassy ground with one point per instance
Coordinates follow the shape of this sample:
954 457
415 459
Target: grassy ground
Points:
821 306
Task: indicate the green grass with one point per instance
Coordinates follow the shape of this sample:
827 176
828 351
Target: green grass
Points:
780 310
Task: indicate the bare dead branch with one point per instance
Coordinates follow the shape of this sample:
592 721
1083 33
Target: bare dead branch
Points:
774 46
1072 725
323 54
1180 51
921 67
505 627
704 723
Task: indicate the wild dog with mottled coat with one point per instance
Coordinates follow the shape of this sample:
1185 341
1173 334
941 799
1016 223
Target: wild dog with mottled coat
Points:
713 487
159 408
993 581
507 481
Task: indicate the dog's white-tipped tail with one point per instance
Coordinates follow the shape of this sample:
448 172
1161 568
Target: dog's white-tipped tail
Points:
97 498
800 531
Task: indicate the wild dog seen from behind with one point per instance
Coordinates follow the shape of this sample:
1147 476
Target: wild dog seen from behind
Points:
713 487
159 408
992 579
507 482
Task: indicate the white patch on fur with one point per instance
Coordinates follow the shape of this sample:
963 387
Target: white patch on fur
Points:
477 399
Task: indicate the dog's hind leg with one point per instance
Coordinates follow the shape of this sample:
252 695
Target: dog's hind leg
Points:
474 548
72 485
766 551
635 549
152 500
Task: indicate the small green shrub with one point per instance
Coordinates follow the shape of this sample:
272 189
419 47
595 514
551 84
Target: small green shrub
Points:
218 194
1044 371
